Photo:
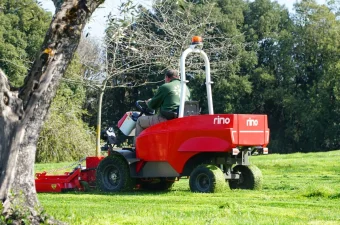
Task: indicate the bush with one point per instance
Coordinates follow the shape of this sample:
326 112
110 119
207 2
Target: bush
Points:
65 137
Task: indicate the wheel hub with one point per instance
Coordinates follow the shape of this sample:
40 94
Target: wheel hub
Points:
202 182
113 176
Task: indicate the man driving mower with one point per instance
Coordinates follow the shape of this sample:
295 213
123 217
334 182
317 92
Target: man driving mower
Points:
166 101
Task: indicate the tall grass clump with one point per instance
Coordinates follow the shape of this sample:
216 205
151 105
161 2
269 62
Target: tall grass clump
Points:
318 191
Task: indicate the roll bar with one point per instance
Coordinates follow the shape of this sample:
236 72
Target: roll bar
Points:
195 48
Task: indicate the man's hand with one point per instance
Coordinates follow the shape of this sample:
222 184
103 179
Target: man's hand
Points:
147 101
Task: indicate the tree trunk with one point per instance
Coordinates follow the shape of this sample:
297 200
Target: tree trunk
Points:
22 114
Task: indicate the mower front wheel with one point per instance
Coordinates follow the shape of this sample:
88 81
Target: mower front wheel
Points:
207 179
250 178
113 175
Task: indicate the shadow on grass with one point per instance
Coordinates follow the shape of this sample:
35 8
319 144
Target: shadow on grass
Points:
140 192
123 193
335 196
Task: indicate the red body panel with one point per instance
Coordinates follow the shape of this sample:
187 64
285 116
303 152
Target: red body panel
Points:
177 140
92 162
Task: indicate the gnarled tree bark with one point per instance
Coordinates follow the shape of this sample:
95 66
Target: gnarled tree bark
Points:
22 113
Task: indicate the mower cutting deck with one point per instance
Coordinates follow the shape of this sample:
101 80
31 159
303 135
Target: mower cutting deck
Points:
79 179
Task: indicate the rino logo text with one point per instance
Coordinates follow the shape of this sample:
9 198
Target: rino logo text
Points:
221 120
252 122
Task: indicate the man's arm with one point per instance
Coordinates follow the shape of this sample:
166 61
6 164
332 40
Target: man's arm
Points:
157 100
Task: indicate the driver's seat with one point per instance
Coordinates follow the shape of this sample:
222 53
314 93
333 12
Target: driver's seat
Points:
190 108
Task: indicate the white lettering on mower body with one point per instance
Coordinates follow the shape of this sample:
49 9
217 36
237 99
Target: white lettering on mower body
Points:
221 120
252 122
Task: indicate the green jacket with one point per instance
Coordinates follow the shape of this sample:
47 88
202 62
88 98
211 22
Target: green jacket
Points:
167 97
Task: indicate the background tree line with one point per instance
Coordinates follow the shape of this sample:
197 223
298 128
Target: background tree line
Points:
264 59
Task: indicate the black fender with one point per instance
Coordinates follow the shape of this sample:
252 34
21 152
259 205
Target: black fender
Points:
130 158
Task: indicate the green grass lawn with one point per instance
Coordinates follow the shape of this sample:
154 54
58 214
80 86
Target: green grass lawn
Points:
298 189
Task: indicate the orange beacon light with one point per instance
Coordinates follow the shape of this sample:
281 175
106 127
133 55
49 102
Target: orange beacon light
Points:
196 40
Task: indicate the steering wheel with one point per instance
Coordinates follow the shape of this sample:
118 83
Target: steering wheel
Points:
144 109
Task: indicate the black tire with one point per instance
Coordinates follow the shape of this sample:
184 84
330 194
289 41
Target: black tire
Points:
113 175
207 179
250 178
161 184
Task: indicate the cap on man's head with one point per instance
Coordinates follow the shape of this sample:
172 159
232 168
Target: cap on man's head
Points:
171 74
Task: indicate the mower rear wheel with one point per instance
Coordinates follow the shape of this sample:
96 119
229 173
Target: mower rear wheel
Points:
207 179
250 178
161 184
113 174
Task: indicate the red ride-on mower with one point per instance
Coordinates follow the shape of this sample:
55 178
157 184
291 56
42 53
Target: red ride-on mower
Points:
210 149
